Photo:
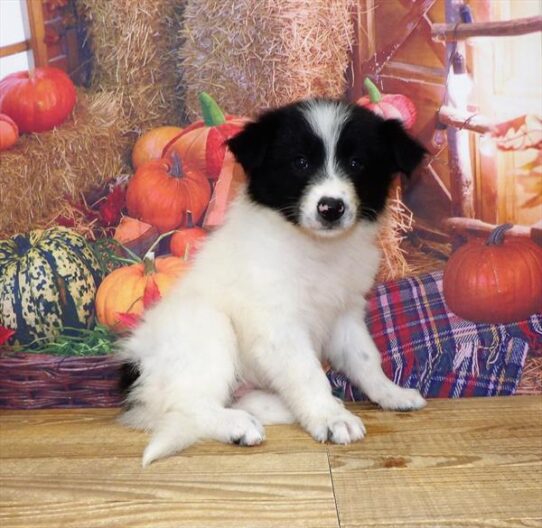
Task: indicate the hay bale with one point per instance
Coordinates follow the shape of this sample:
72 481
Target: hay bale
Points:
41 170
133 44
252 55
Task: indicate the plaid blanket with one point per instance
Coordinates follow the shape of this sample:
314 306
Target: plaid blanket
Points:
424 345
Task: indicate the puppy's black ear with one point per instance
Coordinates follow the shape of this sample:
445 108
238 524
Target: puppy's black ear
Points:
249 146
406 151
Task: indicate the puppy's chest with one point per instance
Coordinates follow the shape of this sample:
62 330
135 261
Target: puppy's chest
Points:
319 283
326 290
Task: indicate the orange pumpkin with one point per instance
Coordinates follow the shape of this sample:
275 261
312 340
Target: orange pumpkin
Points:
186 242
202 144
388 106
150 145
9 132
494 281
161 192
37 100
121 292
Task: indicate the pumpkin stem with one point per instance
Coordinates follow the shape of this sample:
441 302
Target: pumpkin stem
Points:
150 251
496 237
210 111
374 94
176 169
148 264
189 219
22 244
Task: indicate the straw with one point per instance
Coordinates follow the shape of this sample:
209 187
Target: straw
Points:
397 222
134 55
254 54
42 170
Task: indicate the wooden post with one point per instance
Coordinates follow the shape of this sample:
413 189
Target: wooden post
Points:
448 115
461 181
455 31
362 47
17 47
37 32
468 227
459 160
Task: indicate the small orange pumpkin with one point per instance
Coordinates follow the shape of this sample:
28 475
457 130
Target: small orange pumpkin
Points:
186 242
150 145
9 132
162 191
494 281
389 106
202 144
121 292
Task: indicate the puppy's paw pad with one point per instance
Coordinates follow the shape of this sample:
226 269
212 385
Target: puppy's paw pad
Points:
245 430
342 428
400 399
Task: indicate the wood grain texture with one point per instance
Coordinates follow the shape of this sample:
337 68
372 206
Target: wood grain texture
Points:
458 463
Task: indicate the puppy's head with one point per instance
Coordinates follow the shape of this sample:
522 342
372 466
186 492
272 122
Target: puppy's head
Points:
324 165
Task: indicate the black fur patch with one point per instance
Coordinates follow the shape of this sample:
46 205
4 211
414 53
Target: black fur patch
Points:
268 150
381 149
369 151
129 373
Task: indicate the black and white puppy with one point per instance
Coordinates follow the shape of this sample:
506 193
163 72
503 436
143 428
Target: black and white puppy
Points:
277 289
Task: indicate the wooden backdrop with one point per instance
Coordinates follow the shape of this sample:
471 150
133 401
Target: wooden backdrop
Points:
395 48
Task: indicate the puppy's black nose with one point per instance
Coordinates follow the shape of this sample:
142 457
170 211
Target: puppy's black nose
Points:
330 209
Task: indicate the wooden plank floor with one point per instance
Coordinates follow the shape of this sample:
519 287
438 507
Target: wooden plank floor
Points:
461 463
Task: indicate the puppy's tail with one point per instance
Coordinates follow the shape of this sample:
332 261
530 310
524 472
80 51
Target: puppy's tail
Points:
174 432
178 429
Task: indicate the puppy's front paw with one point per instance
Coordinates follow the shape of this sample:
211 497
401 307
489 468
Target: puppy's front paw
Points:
399 399
244 429
340 427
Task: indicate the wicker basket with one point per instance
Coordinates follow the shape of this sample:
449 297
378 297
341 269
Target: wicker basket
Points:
38 381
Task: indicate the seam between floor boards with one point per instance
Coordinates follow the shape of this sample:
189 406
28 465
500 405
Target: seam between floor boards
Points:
333 489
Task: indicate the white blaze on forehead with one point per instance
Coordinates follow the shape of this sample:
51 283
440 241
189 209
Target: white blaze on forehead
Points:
326 119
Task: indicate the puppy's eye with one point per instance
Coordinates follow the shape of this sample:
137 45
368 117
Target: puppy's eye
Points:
301 163
355 163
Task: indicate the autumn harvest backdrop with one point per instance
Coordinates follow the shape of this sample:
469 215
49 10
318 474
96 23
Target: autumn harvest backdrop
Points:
112 185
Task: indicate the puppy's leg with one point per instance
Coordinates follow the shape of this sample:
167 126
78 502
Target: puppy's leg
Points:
352 350
287 360
186 376
236 426
179 430
266 407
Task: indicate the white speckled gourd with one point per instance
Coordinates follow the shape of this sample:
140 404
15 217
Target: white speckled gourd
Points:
48 280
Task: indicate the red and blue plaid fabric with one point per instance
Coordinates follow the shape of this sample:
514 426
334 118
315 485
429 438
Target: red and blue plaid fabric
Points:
424 345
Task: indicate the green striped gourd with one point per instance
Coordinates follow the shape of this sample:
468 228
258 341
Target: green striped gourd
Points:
48 280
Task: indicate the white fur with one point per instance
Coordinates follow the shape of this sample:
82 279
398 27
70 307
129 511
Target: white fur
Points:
264 303
333 187
326 120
